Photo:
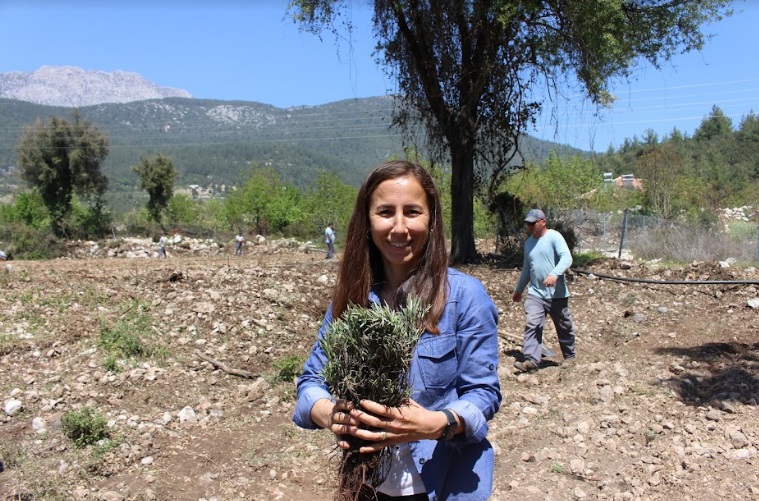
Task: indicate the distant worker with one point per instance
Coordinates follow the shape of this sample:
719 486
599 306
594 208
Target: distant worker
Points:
239 240
3 257
162 247
329 238
546 258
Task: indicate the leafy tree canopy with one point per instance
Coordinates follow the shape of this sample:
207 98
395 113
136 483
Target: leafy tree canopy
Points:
264 203
61 158
157 176
716 126
467 71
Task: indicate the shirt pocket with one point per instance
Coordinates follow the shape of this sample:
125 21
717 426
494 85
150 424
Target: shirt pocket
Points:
438 363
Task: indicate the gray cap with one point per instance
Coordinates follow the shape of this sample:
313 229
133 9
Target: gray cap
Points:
534 215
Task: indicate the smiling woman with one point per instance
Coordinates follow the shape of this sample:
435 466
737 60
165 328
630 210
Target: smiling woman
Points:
394 256
399 218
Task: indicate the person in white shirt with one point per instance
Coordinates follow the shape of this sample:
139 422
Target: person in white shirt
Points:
239 240
329 238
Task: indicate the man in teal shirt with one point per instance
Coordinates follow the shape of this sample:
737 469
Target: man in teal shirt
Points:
546 258
329 238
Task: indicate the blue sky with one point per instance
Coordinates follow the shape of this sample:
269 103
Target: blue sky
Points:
247 50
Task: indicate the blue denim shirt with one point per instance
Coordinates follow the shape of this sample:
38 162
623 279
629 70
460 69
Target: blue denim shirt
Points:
456 369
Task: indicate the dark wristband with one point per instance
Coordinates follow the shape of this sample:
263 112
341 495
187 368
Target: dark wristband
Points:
450 428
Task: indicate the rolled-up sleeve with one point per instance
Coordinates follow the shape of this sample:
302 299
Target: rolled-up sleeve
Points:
311 385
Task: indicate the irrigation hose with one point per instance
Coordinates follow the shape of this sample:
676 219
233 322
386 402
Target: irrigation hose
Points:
666 282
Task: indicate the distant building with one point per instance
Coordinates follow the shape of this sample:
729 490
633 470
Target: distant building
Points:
629 181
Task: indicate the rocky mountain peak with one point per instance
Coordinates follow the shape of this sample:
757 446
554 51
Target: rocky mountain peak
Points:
72 86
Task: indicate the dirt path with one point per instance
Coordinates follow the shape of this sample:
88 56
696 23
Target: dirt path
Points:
663 404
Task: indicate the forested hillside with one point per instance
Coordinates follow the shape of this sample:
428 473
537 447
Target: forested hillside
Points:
216 142
718 166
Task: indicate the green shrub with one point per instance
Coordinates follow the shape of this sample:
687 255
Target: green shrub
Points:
111 364
127 339
742 230
28 209
27 242
89 221
557 467
85 426
588 258
288 368
122 340
11 455
368 354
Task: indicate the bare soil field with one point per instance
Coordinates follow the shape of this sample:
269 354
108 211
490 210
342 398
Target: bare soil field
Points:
662 404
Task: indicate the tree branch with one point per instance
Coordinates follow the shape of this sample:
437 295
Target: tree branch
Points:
219 365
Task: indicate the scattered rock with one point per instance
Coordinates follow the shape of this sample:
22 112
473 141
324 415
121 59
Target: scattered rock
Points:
39 425
187 415
714 415
12 406
659 409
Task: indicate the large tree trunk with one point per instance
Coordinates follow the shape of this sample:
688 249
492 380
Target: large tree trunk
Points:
462 207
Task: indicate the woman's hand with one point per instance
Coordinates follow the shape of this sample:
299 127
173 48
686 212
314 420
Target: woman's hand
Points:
335 417
395 425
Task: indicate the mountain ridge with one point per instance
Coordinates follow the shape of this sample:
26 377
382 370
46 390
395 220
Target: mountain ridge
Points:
72 86
217 142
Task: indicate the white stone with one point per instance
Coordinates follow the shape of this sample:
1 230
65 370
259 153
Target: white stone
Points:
742 454
187 415
39 425
12 406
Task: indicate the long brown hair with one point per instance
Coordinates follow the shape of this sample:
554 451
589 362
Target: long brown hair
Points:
361 266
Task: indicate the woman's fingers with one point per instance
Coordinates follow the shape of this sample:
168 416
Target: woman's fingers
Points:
380 425
375 408
373 414
343 444
343 423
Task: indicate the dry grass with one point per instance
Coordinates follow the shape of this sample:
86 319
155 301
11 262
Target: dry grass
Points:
693 243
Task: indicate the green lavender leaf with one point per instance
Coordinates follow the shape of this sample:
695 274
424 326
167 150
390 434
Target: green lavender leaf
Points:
369 352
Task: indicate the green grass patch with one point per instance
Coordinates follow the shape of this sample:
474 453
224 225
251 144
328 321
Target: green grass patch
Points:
559 468
11 455
8 344
100 449
85 426
742 230
111 364
288 368
129 338
589 258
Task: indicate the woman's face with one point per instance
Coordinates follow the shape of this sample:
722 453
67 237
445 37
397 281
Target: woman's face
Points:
399 218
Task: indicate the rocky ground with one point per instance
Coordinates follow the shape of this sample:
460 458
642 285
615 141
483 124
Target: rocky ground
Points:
662 404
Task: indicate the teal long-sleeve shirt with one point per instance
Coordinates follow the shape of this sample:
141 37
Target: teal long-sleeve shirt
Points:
547 255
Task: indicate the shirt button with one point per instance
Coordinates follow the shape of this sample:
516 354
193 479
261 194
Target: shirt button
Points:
421 460
491 367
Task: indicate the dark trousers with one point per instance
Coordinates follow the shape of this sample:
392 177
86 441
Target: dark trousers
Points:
536 310
330 250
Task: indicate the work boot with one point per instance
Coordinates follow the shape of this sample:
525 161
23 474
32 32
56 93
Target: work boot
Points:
569 363
526 366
